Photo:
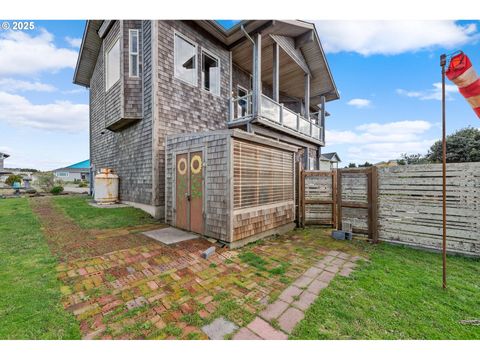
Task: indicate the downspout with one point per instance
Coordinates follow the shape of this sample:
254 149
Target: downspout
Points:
247 35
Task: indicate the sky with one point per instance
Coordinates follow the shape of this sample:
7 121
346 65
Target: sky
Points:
387 73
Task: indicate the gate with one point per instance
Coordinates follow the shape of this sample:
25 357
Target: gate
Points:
318 200
337 197
357 200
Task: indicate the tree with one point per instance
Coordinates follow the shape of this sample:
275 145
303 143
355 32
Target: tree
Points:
367 164
462 146
413 159
13 179
352 165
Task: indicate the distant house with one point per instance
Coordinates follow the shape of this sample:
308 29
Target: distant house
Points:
329 161
78 171
388 163
3 172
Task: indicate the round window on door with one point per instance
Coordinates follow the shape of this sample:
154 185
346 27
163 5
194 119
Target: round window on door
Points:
196 164
182 166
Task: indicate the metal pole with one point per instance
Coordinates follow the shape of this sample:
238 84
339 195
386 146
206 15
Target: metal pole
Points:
443 62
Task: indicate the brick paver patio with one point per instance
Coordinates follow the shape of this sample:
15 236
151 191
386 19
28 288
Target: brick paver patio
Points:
142 289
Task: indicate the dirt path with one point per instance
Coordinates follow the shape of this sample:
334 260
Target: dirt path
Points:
68 241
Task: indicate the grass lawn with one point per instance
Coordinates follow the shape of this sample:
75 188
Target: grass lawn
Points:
398 295
89 217
30 305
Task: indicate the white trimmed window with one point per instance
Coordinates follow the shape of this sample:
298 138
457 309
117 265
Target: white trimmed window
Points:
62 174
112 65
210 73
185 59
133 54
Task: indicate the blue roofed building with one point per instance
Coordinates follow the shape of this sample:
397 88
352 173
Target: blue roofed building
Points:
75 172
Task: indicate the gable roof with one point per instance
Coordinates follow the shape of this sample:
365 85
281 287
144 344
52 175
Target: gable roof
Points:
3 155
332 157
82 165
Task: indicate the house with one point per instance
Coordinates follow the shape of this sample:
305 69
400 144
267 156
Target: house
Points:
329 161
75 172
388 163
163 92
3 156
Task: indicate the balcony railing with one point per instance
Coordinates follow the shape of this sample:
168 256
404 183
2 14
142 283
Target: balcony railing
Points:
241 107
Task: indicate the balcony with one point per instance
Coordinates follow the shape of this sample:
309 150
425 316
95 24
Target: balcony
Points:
275 115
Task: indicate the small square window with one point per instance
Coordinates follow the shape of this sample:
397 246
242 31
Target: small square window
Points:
210 73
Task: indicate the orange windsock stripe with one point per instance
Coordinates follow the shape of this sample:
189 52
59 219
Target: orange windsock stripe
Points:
462 74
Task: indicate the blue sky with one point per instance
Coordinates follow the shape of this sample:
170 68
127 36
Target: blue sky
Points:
387 74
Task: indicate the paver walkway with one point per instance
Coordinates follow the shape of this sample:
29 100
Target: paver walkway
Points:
122 285
280 318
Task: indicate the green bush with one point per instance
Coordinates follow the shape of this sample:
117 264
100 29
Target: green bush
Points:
13 179
56 189
83 184
46 181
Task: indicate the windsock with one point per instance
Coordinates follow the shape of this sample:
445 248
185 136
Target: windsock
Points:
461 72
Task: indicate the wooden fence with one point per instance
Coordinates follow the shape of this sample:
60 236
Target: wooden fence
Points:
410 206
401 204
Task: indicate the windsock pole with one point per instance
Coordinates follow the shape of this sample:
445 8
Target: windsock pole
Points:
443 62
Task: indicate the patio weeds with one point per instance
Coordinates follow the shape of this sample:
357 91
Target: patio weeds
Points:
278 320
122 285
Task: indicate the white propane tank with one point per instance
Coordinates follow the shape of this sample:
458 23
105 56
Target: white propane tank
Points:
106 187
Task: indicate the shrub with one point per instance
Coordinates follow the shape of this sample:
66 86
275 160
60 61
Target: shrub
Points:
83 184
13 179
57 189
46 181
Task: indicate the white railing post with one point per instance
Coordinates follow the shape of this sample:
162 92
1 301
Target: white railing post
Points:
231 115
298 122
281 114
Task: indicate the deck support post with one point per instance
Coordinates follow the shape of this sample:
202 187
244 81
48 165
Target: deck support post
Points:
322 117
257 74
276 72
306 100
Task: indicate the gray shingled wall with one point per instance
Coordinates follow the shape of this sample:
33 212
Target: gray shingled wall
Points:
129 151
183 107
216 171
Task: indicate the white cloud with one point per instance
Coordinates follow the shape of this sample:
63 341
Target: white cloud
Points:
435 93
376 142
74 42
14 85
62 116
392 37
359 103
26 54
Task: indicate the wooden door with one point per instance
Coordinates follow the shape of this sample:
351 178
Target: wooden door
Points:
181 191
196 192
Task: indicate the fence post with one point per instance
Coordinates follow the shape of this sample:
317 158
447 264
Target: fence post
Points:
339 199
334 198
374 211
372 204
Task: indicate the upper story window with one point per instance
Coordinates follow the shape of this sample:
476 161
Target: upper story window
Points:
210 73
112 64
133 53
185 59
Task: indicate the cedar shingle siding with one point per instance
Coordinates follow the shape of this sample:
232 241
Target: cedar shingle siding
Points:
143 110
